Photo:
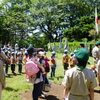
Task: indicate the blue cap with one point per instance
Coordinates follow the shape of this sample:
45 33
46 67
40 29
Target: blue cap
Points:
18 53
66 50
44 52
8 49
75 51
53 52
13 53
3 48
17 48
21 49
26 53
71 53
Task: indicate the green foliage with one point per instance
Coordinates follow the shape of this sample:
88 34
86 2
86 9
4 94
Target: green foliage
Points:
72 18
81 29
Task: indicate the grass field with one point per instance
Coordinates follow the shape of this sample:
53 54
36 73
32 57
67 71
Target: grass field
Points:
15 85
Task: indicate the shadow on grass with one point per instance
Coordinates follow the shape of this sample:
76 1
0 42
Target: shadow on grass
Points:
58 78
11 89
11 75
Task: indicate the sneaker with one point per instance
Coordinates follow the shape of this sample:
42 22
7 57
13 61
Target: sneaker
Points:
45 94
42 96
14 73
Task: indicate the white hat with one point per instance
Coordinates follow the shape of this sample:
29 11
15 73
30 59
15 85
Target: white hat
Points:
40 53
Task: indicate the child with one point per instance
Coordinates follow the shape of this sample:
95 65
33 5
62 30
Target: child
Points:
65 60
93 67
53 64
72 60
19 62
47 68
13 62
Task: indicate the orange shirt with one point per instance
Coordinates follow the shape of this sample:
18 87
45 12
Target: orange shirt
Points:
66 59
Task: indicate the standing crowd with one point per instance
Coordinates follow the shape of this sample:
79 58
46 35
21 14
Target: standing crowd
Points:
79 82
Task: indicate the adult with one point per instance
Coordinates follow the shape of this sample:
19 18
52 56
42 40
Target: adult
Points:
2 73
38 79
98 72
82 45
96 52
79 82
42 61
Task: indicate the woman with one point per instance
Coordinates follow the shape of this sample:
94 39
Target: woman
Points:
38 78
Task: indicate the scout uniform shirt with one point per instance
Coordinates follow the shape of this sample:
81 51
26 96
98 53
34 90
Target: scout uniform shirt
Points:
98 66
53 60
2 73
79 83
95 53
66 58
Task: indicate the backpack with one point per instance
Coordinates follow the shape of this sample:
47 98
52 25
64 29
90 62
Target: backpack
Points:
31 68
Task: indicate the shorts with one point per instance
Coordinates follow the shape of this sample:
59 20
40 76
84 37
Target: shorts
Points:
66 65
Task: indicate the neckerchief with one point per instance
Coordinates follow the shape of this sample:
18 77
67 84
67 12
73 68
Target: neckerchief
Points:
80 68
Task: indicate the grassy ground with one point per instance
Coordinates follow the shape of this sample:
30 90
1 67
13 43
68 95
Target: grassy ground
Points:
15 85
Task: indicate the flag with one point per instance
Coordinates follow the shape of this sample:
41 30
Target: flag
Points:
49 46
86 46
96 21
66 45
54 47
60 44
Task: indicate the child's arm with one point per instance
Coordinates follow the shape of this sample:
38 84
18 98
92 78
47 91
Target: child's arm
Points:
91 94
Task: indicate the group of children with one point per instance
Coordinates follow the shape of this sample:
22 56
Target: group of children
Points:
20 57
13 59
69 61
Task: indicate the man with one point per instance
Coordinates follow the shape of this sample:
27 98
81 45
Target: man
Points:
79 82
82 45
2 73
96 52
96 58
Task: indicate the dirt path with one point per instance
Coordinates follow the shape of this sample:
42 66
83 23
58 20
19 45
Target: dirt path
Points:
54 94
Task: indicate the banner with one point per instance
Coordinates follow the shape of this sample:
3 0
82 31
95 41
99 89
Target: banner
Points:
60 44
